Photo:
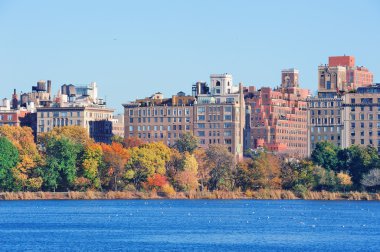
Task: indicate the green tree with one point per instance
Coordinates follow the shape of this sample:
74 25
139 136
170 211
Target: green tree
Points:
9 158
61 163
186 143
359 161
325 155
222 164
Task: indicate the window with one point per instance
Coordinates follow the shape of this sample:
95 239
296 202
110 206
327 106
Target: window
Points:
201 109
201 133
201 118
227 117
228 109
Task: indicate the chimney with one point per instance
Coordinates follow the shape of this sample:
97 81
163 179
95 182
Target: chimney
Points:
14 100
49 86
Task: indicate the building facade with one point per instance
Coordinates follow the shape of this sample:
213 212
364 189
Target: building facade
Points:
361 117
215 114
157 119
329 113
325 121
278 117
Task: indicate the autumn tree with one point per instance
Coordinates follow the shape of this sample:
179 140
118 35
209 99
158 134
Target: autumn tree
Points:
203 169
26 174
186 143
9 158
187 178
145 161
344 180
88 176
266 170
76 134
222 164
115 157
131 142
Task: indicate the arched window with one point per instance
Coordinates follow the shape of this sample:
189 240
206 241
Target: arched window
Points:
218 83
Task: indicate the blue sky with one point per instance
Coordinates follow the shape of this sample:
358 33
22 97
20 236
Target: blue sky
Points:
135 48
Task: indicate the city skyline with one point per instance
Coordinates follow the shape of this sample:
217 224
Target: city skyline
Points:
169 46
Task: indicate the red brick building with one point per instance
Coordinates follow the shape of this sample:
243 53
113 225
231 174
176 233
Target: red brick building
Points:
278 118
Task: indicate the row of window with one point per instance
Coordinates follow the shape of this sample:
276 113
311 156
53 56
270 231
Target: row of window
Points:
326 104
325 121
59 122
156 119
325 129
202 109
215 141
362 125
226 133
159 112
8 117
362 133
159 127
325 138
214 117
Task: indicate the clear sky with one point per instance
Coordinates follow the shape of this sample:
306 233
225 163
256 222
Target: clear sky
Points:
135 48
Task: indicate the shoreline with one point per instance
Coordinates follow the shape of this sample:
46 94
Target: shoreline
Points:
258 195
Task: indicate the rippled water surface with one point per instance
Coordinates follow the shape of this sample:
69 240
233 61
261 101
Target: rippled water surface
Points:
212 225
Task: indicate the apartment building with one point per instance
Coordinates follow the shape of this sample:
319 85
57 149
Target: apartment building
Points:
278 117
328 115
50 117
215 114
361 117
325 121
156 118
219 113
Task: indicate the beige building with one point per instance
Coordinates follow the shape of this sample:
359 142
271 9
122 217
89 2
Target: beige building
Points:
328 115
219 113
325 121
50 117
361 117
215 114
158 119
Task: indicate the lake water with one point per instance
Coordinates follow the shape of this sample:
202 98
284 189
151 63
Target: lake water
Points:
201 225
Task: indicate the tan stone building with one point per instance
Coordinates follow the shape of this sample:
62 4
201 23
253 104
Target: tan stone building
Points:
219 114
215 114
158 119
50 117
361 117
338 113
325 121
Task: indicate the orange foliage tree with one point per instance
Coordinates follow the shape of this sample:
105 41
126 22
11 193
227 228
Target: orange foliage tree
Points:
115 157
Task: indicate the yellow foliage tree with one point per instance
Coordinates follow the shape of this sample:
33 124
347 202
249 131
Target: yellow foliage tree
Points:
24 173
344 180
77 134
187 179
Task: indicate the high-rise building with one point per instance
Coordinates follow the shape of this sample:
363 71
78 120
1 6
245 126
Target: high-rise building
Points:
361 117
341 75
278 120
219 114
327 112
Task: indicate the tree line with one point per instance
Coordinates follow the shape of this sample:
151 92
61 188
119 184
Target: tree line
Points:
66 159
